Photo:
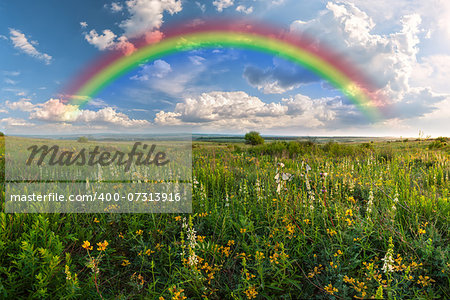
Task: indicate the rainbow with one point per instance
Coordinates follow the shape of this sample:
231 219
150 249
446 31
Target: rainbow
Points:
298 49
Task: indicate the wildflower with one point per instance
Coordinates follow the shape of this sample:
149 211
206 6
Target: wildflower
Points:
370 203
121 235
249 276
307 222
333 265
339 252
349 212
421 231
87 245
230 243
330 289
290 228
349 280
96 220
349 222
259 255
139 232
274 258
148 252
102 246
177 218
424 280
243 230
351 199
331 232
201 238
251 292
125 262
388 265
316 271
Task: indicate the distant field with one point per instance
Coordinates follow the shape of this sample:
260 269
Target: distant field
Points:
285 220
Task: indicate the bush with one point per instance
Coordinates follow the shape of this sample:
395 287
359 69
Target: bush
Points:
83 139
253 138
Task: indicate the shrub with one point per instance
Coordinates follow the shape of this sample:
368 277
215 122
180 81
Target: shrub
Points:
83 139
253 138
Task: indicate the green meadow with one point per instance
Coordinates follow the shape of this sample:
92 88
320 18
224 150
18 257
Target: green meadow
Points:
283 220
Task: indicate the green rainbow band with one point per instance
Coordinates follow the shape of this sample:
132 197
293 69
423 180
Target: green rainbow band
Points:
214 39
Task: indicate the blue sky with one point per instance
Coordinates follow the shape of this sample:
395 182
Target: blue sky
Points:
404 46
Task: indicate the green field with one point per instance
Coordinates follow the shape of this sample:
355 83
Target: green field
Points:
285 220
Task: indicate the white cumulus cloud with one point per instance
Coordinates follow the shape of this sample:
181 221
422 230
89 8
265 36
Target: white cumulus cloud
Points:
102 41
240 111
221 4
21 42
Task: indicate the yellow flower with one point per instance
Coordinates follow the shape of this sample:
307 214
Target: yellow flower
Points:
349 212
307 222
349 222
331 232
421 231
259 255
96 220
121 235
351 199
125 262
230 243
330 289
102 246
200 238
339 252
251 292
349 279
177 218
87 245
139 232
243 230
424 280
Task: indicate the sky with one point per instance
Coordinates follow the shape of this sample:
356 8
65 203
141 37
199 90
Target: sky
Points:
402 45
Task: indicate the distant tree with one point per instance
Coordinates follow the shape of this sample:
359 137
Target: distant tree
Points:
83 139
1 133
253 138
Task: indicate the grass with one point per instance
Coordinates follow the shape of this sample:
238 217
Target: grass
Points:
350 220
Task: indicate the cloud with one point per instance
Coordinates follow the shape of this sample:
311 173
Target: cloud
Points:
21 42
196 60
22 105
239 111
3 111
116 7
221 4
433 71
245 10
54 110
11 73
83 24
101 41
158 69
345 28
9 81
201 6
147 15
14 122
281 78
